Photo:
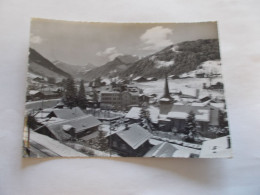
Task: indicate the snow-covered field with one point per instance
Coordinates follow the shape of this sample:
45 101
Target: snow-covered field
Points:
157 87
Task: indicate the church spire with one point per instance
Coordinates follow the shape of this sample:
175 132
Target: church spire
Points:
166 88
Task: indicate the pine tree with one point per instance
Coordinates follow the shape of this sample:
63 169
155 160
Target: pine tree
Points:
70 94
102 141
31 121
222 119
145 117
190 124
82 96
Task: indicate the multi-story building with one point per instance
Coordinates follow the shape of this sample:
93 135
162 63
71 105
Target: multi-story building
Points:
118 100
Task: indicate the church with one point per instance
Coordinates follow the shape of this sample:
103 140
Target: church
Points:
174 114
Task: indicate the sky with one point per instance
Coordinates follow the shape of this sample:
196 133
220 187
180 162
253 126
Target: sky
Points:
80 43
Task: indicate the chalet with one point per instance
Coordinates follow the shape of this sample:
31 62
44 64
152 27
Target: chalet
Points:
134 114
218 85
71 128
162 150
200 75
66 113
205 116
140 79
173 77
179 114
186 76
131 142
34 95
151 79
60 105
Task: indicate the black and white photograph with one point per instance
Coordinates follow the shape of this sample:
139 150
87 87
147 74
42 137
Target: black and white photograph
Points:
125 90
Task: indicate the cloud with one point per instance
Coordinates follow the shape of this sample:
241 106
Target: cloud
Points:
110 53
35 39
156 38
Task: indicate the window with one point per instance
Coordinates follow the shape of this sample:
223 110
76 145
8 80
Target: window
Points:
114 144
123 147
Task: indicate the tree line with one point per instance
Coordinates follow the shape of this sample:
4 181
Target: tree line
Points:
73 97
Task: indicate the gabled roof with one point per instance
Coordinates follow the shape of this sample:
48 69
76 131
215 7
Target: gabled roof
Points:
54 146
161 150
138 78
57 131
79 124
67 113
33 92
151 78
182 112
135 136
134 113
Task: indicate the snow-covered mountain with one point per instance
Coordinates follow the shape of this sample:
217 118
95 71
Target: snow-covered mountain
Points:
77 71
112 68
43 67
175 59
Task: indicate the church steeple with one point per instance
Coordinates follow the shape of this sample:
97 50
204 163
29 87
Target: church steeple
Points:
166 101
166 89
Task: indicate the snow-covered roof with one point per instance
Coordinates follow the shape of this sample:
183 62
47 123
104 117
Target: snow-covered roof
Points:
161 150
182 112
178 103
178 115
216 148
198 104
218 105
186 75
135 136
60 104
33 92
134 113
79 124
42 115
203 115
54 146
165 100
137 78
66 127
181 154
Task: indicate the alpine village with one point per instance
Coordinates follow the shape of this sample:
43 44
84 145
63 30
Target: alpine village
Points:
168 104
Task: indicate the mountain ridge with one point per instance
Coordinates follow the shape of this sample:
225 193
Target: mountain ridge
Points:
173 59
42 66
